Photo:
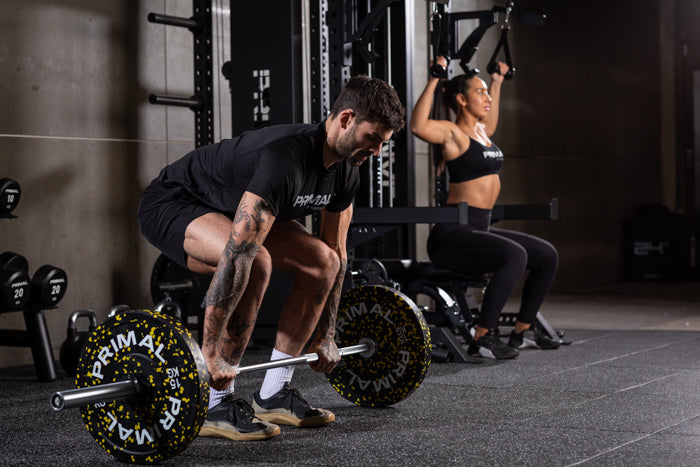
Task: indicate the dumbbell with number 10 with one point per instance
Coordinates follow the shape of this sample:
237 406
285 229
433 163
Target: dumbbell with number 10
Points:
20 291
10 192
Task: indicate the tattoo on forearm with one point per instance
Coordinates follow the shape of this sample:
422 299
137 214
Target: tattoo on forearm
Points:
320 295
326 323
231 275
231 279
237 326
253 218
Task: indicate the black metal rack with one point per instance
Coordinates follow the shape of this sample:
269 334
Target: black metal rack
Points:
200 24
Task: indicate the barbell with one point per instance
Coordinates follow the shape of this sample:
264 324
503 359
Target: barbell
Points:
142 382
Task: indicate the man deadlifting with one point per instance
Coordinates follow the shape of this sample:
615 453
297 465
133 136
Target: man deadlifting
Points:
229 209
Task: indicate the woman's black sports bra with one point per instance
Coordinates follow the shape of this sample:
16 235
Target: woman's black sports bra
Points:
477 161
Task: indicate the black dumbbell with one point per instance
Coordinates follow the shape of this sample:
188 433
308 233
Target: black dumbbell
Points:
9 195
15 283
75 341
48 286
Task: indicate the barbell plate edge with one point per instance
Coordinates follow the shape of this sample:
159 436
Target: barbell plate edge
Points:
163 356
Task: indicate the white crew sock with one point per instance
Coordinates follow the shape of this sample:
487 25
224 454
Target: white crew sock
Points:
276 378
215 397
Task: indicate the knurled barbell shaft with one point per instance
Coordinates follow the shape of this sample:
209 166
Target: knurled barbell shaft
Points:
307 358
124 389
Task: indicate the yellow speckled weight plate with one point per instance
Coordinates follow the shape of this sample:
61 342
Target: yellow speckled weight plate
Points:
402 355
167 415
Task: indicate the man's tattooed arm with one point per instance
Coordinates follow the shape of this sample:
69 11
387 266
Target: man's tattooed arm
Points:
334 230
250 226
325 330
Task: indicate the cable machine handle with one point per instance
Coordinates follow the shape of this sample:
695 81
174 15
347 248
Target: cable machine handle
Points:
492 66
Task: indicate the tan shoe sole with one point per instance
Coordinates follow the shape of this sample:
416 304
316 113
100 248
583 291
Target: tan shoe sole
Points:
223 430
288 418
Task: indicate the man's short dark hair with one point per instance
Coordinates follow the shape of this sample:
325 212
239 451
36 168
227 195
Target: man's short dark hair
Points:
373 100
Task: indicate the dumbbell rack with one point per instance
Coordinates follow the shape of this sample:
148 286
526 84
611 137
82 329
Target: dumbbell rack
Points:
30 295
35 336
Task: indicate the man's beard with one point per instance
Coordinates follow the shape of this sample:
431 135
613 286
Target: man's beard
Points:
345 149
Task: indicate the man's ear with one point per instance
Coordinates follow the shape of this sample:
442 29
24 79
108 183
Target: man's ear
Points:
346 117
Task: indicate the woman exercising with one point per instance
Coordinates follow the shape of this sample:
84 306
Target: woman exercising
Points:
473 162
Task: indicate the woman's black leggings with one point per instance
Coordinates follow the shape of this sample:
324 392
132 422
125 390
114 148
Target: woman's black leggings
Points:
476 248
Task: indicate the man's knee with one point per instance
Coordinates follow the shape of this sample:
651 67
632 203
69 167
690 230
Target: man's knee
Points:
324 264
261 269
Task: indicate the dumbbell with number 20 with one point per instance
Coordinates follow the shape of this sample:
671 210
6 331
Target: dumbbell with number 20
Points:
19 290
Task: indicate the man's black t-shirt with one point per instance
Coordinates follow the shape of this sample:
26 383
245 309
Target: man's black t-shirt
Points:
282 164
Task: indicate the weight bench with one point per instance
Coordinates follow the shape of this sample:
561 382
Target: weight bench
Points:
456 308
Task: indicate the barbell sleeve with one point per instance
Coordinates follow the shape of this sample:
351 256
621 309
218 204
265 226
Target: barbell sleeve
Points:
90 395
307 358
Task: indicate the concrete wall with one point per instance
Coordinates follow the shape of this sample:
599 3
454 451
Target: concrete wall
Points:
78 134
581 122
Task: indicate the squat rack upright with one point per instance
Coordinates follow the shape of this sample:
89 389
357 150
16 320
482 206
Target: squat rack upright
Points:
200 24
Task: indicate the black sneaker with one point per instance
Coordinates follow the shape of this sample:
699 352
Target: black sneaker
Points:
534 338
489 346
234 418
287 407
519 341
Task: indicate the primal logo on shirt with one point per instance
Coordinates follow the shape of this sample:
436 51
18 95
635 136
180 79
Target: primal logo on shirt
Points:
493 155
312 201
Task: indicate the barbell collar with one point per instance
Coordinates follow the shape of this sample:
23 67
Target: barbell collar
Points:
91 395
307 358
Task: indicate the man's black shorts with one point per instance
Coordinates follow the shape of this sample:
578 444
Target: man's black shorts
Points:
164 214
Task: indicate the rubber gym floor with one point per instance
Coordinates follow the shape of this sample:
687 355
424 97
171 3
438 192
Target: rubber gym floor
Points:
625 392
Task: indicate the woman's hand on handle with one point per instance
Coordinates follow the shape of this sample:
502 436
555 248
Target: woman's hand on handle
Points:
501 73
425 128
